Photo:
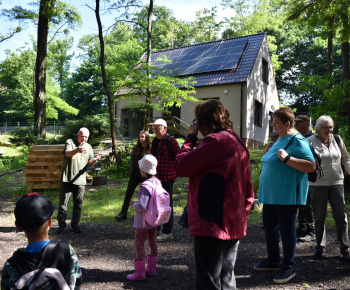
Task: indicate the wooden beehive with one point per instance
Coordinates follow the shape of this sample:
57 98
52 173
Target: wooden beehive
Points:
44 165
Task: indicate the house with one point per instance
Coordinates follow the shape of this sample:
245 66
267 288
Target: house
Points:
236 71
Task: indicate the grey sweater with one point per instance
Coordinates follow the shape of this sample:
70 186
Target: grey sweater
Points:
332 159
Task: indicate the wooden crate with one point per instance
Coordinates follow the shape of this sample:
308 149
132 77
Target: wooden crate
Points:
44 165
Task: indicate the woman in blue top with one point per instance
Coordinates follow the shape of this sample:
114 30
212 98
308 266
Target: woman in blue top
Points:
283 186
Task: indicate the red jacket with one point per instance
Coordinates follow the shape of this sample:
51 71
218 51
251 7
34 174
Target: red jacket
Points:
220 191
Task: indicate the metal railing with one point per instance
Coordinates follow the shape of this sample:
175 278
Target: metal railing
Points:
51 126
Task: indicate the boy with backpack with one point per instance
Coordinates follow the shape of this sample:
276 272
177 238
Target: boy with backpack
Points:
152 209
36 265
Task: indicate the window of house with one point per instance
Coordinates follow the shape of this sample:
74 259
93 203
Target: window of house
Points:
258 113
265 71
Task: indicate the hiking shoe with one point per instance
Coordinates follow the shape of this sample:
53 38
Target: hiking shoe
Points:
304 239
284 275
61 229
318 255
267 265
346 257
76 229
164 237
121 217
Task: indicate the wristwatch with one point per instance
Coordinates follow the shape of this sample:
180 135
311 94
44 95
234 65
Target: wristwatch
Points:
286 159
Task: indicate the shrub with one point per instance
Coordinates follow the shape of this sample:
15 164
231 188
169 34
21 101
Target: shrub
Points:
24 136
98 126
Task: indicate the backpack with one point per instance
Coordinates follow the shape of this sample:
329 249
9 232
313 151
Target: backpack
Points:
46 276
312 176
337 139
158 211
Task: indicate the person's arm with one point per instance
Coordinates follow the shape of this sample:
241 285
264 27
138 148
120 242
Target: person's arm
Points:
95 159
345 158
142 203
302 165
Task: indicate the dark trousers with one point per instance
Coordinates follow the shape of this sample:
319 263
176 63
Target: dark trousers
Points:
215 261
285 217
65 192
134 180
306 223
320 197
168 227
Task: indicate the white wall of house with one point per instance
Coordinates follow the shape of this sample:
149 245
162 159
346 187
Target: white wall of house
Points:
228 95
265 93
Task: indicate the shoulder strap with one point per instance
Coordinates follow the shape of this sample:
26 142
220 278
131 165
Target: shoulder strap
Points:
239 140
168 145
57 255
337 139
290 142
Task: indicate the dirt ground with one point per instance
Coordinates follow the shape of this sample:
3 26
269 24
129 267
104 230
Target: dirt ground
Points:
106 254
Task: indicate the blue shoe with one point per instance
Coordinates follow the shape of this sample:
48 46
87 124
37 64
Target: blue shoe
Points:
284 275
267 265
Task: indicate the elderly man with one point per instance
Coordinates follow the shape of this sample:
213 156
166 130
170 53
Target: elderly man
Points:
165 148
78 155
306 223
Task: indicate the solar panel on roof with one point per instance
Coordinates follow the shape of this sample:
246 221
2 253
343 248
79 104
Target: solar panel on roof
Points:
209 57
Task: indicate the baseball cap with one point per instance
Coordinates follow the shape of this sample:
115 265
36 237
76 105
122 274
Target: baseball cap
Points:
302 118
33 210
160 122
148 164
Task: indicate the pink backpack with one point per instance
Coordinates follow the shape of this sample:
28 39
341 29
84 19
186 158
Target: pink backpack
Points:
159 210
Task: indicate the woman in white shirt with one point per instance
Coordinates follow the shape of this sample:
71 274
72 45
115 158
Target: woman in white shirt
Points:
330 187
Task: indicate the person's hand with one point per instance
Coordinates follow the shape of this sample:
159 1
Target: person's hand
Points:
81 149
282 154
132 203
193 127
97 157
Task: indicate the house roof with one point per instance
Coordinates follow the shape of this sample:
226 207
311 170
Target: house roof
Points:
213 63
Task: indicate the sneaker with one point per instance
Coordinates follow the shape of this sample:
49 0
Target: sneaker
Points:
61 229
312 236
165 237
267 265
284 275
76 229
121 217
304 239
318 255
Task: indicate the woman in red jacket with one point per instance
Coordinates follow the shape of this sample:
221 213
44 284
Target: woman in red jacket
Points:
220 193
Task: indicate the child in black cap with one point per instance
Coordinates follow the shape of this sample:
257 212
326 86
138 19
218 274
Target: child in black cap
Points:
33 213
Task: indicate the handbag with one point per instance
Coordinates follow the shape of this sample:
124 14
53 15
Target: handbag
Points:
183 221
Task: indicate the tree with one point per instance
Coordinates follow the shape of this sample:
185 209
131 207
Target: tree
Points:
205 28
58 13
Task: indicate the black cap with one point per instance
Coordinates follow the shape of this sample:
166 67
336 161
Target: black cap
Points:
33 210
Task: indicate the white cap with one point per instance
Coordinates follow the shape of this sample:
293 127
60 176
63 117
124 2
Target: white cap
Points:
148 164
160 122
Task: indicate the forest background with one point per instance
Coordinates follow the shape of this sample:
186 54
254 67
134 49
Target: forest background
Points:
308 41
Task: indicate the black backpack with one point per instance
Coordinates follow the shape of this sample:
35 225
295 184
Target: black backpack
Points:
318 173
51 273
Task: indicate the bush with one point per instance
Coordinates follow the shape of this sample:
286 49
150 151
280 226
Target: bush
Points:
24 136
98 126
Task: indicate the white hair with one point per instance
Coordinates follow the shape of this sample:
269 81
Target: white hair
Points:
84 129
322 121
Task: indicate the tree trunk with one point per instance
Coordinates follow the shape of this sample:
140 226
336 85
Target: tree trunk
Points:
346 77
45 12
105 84
149 62
330 56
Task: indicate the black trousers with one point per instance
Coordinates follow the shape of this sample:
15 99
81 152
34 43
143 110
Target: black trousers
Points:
215 261
306 223
168 227
134 180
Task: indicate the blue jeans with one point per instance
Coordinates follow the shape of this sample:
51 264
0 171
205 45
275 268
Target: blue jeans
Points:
283 216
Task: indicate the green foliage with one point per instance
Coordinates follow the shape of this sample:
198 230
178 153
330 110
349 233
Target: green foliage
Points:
24 136
98 126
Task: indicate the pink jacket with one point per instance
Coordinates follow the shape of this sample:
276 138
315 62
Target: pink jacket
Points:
220 191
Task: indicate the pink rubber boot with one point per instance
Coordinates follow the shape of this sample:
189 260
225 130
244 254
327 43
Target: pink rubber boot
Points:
139 271
151 265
